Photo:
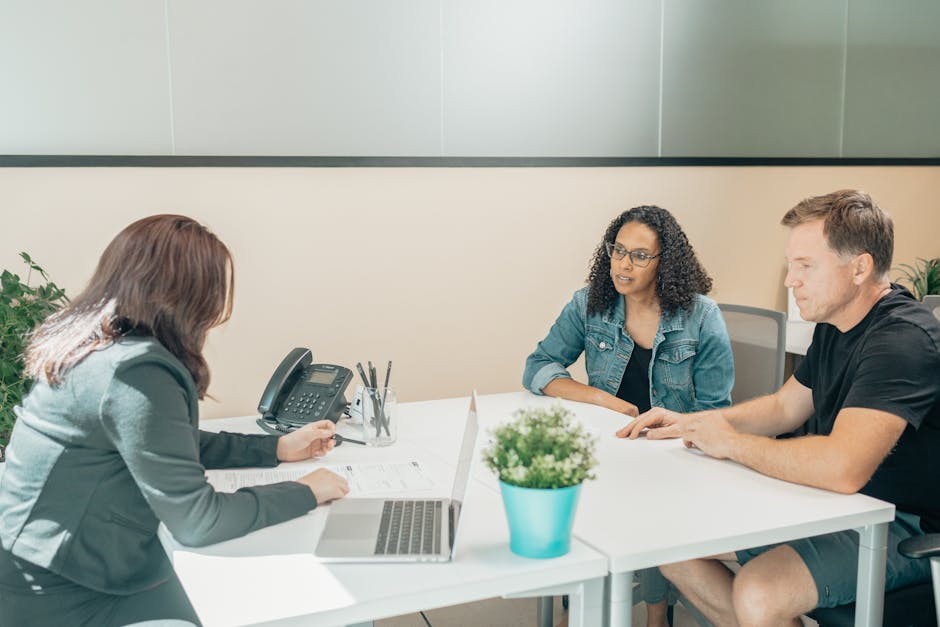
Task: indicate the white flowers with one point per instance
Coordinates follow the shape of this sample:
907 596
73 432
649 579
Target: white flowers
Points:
542 448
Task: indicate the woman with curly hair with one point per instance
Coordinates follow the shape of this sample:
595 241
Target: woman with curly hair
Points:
650 337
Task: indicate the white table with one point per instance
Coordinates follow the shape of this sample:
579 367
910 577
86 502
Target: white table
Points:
656 502
271 576
799 336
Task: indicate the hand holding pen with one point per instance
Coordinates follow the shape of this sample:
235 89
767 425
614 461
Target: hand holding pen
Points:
309 441
342 438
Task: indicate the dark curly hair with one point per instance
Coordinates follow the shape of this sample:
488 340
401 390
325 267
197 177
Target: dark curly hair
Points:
679 278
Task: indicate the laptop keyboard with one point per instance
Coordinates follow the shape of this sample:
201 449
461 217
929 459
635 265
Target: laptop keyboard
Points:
410 528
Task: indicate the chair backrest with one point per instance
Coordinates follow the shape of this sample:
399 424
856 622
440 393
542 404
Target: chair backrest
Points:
759 343
933 303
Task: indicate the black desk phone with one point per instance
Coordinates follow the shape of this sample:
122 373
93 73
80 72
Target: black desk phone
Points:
300 392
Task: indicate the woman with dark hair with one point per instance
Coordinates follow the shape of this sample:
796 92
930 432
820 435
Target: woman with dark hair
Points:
107 443
650 337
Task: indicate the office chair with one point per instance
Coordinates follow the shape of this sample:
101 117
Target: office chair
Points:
933 303
759 344
913 606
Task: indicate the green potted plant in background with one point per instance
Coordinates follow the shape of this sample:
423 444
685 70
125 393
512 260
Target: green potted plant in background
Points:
923 276
542 457
22 308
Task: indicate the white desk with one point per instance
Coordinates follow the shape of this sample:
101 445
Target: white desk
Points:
656 502
799 336
272 577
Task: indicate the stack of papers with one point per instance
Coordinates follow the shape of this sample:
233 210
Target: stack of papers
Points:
364 479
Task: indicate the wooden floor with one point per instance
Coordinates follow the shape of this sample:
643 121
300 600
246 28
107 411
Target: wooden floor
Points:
506 613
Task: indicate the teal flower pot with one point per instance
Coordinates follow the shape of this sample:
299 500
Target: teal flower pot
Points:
540 520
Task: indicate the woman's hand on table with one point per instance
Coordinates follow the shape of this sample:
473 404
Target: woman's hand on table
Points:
326 485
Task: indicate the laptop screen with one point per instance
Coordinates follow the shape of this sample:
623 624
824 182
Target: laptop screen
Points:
462 478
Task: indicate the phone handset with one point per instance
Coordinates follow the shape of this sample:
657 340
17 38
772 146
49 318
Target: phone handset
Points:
282 380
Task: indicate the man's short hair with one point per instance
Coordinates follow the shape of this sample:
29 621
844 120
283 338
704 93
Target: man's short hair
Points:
852 224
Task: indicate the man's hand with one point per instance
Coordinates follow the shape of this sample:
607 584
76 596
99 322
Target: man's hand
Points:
311 440
661 424
709 432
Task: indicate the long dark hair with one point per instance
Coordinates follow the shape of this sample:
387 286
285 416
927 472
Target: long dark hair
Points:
679 277
164 276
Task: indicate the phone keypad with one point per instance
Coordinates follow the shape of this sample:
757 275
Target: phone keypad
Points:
310 402
308 405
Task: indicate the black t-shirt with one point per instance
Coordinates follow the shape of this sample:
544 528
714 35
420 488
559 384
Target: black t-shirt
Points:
890 361
635 384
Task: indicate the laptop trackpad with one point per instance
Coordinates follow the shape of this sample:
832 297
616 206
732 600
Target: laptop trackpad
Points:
352 527
350 534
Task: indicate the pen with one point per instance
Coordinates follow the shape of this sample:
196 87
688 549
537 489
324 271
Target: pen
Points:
342 438
362 374
370 390
374 394
377 402
372 377
388 374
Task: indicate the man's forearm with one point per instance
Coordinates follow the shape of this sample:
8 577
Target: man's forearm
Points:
809 460
763 416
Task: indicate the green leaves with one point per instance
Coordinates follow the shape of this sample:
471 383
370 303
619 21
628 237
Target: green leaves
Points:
923 276
22 308
542 448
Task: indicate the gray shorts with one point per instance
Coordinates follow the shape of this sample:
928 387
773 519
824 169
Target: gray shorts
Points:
832 560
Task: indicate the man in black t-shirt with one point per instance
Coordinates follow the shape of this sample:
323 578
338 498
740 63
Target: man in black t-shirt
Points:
868 393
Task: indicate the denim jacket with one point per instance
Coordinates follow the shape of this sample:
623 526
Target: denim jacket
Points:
691 367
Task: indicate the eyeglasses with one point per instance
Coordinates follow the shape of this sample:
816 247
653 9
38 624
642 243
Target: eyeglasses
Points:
637 257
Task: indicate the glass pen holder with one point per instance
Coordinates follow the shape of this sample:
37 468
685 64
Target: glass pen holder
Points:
379 416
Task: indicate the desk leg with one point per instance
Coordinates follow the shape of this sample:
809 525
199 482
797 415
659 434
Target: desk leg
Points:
619 592
586 602
870 588
545 611
935 572
586 606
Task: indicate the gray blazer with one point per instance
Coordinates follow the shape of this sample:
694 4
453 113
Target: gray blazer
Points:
96 462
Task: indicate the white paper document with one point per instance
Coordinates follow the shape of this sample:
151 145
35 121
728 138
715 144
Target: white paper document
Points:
364 479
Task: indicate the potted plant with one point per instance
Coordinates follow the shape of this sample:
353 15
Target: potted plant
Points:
22 308
923 276
542 457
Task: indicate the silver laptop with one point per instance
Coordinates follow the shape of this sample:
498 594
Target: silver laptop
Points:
400 530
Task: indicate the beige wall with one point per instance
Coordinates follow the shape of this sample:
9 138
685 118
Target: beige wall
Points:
454 274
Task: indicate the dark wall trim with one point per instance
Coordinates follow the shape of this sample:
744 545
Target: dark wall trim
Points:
157 161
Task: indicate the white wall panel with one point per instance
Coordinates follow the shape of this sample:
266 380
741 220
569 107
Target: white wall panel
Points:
892 100
306 77
83 78
551 78
753 79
